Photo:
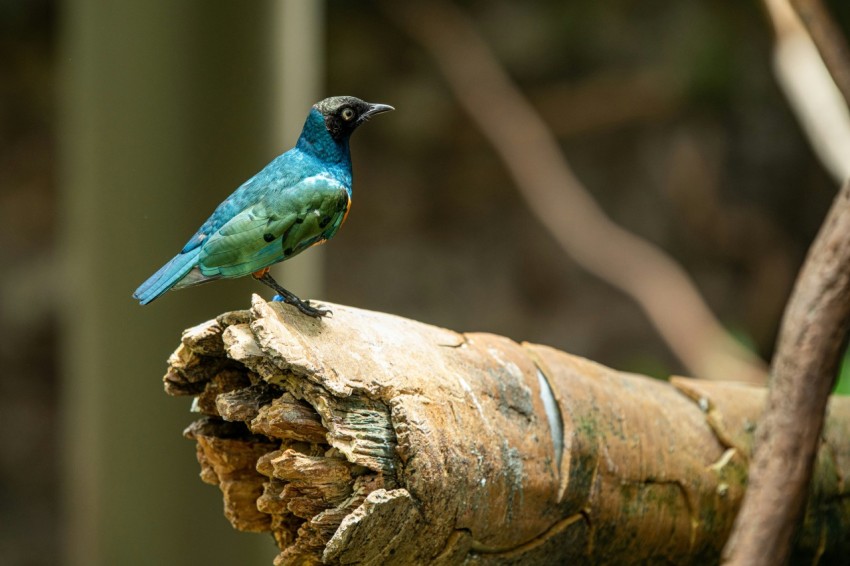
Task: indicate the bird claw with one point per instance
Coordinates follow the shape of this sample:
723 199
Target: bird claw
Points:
309 310
303 306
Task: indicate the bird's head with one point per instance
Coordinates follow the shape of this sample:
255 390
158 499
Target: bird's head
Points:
343 114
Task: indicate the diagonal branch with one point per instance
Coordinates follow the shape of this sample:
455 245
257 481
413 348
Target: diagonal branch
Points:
811 342
830 41
815 325
811 91
563 205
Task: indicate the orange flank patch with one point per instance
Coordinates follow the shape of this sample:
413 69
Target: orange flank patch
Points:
347 210
261 273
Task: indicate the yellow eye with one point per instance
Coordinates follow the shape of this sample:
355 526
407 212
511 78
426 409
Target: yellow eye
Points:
347 114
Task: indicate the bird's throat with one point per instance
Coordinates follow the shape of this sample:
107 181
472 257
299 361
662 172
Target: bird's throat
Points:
318 141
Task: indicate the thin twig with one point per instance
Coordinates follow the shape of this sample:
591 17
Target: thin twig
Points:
811 342
563 205
831 42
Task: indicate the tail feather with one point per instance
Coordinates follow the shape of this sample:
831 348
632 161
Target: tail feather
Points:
166 277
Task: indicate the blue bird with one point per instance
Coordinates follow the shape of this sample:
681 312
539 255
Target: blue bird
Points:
298 200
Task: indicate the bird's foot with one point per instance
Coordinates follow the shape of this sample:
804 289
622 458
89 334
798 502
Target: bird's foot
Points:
304 306
310 310
288 297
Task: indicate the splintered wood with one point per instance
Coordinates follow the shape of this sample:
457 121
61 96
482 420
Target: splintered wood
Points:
368 438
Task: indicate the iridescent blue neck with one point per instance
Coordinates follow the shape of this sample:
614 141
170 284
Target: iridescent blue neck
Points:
316 139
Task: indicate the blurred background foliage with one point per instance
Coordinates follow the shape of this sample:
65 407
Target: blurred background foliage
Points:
668 111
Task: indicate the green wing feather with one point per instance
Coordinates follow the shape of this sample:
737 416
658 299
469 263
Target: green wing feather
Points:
276 228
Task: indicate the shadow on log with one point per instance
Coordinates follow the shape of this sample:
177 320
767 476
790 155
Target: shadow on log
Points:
369 438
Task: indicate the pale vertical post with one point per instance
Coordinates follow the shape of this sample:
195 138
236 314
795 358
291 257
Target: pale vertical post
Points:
297 73
164 111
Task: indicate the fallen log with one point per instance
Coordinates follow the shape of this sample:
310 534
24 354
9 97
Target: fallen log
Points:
370 438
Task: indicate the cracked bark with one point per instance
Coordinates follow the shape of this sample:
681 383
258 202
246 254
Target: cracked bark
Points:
369 438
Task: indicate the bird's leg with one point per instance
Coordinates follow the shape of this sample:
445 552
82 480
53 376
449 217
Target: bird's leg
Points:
264 276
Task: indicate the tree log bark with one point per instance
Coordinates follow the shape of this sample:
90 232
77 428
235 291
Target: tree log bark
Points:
369 438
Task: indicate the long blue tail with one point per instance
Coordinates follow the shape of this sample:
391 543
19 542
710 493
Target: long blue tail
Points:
167 276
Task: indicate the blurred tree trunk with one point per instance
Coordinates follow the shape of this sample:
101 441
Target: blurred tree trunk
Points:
167 107
297 70
374 439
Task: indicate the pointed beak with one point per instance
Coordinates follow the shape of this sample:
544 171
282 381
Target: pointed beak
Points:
375 109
